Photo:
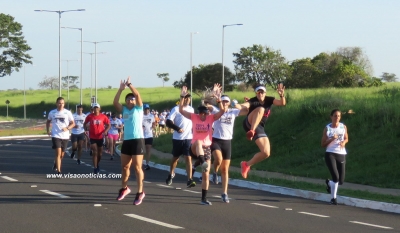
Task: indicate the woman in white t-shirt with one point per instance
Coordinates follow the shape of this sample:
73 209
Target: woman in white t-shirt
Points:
113 133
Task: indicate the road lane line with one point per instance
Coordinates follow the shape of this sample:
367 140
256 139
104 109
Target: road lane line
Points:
190 191
166 186
317 215
153 221
269 206
54 193
97 205
372 225
148 182
8 178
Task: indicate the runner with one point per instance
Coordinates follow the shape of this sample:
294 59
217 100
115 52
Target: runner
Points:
181 139
221 144
202 133
148 124
258 109
133 146
61 123
334 138
78 133
98 129
113 135
161 123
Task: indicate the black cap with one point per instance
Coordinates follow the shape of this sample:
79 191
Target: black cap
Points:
79 106
202 109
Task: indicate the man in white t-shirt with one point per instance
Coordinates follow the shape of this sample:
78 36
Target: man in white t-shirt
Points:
78 133
61 123
148 124
181 140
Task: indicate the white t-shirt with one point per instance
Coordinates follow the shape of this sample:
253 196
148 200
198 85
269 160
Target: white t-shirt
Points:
60 120
79 119
334 146
113 129
223 127
182 122
148 121
162 119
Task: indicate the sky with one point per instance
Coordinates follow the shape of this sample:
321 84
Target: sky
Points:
153 36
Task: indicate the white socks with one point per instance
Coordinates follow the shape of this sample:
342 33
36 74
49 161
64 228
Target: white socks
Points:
334 188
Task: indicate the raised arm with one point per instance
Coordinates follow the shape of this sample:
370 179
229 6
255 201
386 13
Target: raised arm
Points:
281 92
116 103
181 111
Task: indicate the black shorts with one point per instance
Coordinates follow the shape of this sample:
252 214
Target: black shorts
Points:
222 145
259 130
59 143
181 147
133 147
77 137
98 142
207 152
119 130
148 141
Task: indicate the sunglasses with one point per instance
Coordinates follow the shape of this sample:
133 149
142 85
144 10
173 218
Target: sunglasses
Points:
130 98
260 92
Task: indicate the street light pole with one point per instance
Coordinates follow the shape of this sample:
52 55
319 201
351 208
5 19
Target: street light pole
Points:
91 72
223 29
95 63
59 42
68 80
191 68
24 97
80 29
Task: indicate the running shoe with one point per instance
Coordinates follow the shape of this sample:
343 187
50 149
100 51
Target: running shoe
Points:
168 181
139 198
191 183
250 134
225 198
78 161
201 178
328 187
205 202
54 168
204 167
112 158
91 152
72 154
146 167
123 192
94 170
244 169
214 178
333 201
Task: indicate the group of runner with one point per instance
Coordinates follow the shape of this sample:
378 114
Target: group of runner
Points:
200 136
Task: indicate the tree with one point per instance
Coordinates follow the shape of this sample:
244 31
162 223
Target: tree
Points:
259 64
73 82
357 56
164 77
388 77
13 47
206 76
49 83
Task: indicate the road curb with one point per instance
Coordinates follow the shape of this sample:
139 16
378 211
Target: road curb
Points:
24 136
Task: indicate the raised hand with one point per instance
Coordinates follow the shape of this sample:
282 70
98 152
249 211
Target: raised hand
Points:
184 91
280 89
122 85
217 90
128 80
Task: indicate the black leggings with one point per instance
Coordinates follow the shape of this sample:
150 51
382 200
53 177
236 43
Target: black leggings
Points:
336 164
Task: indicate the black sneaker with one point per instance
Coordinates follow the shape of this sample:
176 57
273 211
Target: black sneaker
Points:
78 161
72 154
333 201
112 158
191 183
328 187
146 167
168 181
205 202
91 152
54 168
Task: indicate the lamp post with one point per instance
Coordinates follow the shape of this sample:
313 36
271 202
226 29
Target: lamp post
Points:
191 68
68 80
91 72
223 29
80 29
59 42
95 63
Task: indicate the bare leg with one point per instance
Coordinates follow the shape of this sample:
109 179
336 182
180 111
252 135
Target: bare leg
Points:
255 117
188 161
137 161
148 153
80 149
217 160
206 177
225 175
57 158
264 146
173 164
94 155
126 162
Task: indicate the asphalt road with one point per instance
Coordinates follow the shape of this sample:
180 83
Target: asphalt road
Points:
30 202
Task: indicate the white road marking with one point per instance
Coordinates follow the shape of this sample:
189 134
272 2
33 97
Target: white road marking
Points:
148 182
288 208
166 186
317 215
33 186
190 191
269 206
102 170
372 225
8 178
54 193
97 205
216 196
18 142
88 165
153 221
7 144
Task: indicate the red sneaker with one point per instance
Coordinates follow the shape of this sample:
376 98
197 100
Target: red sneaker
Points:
250 134
139 198
245 169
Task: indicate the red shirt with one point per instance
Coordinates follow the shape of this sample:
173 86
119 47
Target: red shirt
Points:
97 125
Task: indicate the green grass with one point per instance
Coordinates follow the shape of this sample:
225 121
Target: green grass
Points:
294 131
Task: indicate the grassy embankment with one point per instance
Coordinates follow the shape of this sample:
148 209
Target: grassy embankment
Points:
295 132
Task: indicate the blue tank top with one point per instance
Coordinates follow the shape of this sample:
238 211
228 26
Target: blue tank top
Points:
133 122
